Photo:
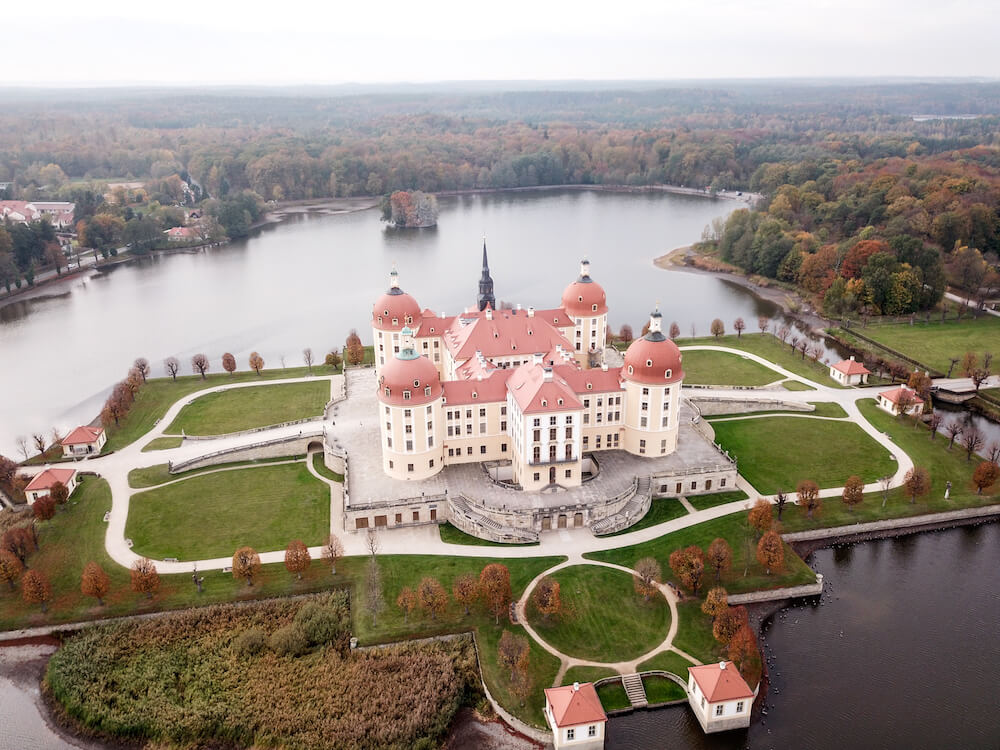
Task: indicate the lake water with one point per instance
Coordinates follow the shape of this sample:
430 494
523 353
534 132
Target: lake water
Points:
308 281
900 652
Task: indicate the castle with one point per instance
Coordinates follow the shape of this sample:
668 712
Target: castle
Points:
527 388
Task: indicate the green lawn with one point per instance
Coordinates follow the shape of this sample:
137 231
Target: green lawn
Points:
695 634
771 349
602 617
613 696
211 515
162 444
662 509
668 661
452 535
246 408
323 471
732 528
943 465
775 453
587 674
795 385
662 690
701 502
933 344
152 476
156 396
721 368
823 409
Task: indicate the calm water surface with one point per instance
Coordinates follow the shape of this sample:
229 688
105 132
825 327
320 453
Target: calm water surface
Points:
900 652
308 281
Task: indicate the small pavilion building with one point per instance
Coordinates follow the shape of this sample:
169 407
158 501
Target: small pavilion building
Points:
84 441
719 696
901 400
576 716
850 372
41 485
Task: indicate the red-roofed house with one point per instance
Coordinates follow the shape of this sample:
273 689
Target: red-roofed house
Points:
720 697
901 399
850 372
181 234
576 716
84 441
41 484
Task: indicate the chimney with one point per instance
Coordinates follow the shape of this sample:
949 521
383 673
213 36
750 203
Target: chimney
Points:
489 313
536 358
547 374
604 366
722 665
576 687
518 305
852 358
531 312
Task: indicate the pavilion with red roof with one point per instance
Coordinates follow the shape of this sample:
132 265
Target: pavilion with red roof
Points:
720 697
41 484
850 372
901 399
84 441
576 716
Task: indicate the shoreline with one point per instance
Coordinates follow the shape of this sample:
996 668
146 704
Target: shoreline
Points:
734 195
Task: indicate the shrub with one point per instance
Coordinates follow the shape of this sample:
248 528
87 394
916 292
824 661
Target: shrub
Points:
250 642
289 640
325 622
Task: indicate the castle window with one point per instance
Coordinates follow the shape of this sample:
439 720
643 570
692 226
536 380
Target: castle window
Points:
409 467
552 433
503 411
390 466
649 363
569 433
597 442
409 445
722 482
428 411
482 449
536 476
430 426
503 447
552 420
387 410
545 402
388 442
482 412
427 391
407 413
537 421
594 308
395 321
644 422
468 451
586 419
586 403
503 427
430 444
645 391
668 374
536 454
406 395
468 413
569 419
569 473
630 369
388 426
387 391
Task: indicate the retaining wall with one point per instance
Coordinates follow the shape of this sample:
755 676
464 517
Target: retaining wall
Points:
253 430
788 592
912 523
711 407
290 446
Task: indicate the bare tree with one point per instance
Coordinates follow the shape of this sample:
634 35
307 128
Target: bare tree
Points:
739 325
793 342
307 355
199 363
934 423
993 454
779 502
762 323
951 366
885 481
333 550
22 445
40 441
172 365
625 333
374 600
953 429
141 365
972 440
675 330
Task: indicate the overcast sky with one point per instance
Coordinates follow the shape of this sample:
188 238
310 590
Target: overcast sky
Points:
333 41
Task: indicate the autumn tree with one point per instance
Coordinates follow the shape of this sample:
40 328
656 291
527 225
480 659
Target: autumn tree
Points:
771 552
917 482
229 363
18 541
432 597
728 623
647 575
675 330
10 567
307 356
494 585
739 325
972 440
742 648
95 582
199 364
985 476
333 550
297 558
145 579
953 429
354 352
688 565
333 359
719 557
35 589
44 508
521 682
760 516
407 602
172 365
625 333
59 492
762 323
717 328
511 650
808 495
465 590
256 362
141 366
854 492
546 597
716 602
246 564
920 383
970 361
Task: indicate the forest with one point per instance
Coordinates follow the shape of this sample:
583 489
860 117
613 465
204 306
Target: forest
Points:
912 167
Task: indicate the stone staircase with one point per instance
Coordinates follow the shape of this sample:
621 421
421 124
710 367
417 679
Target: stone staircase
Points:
634 690
471 521
634 509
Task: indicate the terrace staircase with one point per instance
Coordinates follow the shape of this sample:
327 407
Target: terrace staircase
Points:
634 690
468 519
635 508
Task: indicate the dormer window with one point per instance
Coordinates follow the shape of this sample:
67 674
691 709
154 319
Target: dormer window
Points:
649 363
380 320
395 321
416 383
544 402
427 391
630 369
385 313
475 395
406 395
594 308
409 318
387 391
590 386
668 373
560 402
580 298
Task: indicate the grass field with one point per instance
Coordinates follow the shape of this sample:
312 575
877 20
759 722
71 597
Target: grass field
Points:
777 452
823 409
668 661
701 502
156 396
935 343
162 444
771 349
323 471
795 385
695 637
943 465
452 535
246 408
603 619
662 690
662 509
587 674
152 476
732 528
613 696
211 515
721 368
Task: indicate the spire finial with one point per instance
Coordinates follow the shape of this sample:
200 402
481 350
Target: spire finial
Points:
584 270
393 280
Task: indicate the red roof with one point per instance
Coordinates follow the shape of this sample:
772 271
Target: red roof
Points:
395 305
490 389
720 682
851 367
47 478
895 394
540 389
585 298
408 372
653 359
181 232
576 704
599 380
508 333
83 435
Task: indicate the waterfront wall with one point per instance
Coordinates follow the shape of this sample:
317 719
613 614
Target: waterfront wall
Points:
788 592
911 524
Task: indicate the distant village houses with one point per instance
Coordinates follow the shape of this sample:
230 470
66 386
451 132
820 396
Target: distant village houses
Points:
182 234
59 213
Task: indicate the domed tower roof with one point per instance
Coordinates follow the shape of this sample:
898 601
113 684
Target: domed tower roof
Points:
653 359
408 379
585 297
396 305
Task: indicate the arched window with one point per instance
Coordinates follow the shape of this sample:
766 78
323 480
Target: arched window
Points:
668 374
406 395
630 369
594 308
427 391
416 383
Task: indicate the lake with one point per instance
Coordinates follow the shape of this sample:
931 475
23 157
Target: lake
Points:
899 652
309 280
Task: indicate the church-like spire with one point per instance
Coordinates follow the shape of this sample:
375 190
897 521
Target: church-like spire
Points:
486 284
